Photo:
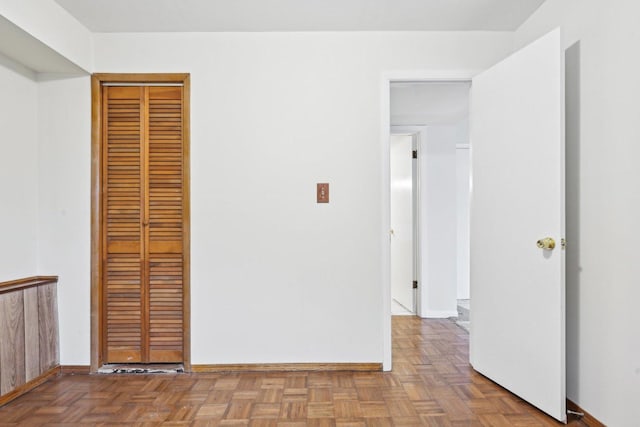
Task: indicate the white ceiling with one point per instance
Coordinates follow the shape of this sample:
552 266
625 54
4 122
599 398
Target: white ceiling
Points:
299 15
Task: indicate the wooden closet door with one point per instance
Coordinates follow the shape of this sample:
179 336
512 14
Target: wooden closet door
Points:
123 210
165 199
143 224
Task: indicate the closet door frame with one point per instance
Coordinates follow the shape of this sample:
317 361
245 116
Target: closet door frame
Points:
97 327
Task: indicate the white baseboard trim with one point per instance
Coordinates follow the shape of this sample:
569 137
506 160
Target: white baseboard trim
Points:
439 314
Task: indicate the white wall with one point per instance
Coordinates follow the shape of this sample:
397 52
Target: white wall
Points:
275 276
64 176
438 219
462 219
603 201
18 171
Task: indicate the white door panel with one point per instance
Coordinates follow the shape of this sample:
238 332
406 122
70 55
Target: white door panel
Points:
402 220
517 289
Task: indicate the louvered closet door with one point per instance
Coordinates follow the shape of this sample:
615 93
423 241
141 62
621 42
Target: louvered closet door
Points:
123 249
143 224
165 219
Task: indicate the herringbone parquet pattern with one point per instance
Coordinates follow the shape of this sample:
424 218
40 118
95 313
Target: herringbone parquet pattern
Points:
431 385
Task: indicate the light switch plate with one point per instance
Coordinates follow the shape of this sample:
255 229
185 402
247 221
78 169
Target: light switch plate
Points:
322 193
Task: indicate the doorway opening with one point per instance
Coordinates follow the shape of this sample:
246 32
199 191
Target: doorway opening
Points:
433 112
435 115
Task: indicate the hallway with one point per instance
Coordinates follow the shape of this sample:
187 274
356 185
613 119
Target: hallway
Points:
431 385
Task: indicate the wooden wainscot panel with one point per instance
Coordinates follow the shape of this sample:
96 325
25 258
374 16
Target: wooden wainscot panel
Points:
12 374
31 333
48 326
29 349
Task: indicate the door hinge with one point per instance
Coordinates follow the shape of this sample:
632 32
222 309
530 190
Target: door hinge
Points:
414 154
415 284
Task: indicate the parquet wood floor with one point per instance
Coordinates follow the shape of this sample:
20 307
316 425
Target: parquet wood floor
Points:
431 385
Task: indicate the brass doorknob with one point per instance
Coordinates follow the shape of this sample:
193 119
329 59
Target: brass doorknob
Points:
547 244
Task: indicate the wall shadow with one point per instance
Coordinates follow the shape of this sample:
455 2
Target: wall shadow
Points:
573 269
16 67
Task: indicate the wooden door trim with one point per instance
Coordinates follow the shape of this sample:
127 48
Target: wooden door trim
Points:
97 80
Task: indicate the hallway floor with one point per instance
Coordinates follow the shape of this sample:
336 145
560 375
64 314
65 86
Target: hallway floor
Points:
431 385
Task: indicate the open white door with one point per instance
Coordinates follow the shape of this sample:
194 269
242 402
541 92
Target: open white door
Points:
402 230
518 289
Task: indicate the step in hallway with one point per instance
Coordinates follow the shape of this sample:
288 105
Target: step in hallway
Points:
431 384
